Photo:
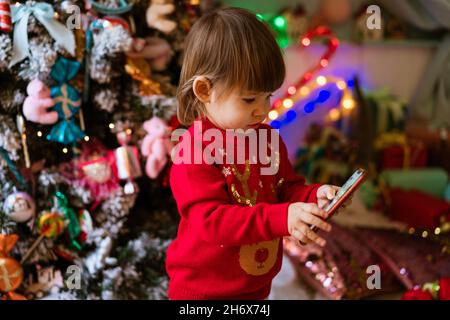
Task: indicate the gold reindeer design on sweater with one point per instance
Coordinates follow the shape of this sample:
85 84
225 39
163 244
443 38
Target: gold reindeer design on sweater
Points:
255 259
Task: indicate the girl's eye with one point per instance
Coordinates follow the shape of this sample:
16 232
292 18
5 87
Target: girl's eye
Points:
249 100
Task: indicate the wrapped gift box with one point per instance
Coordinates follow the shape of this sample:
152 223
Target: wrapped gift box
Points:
414 156
417 209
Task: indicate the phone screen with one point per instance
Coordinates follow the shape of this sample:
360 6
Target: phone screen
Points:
345 188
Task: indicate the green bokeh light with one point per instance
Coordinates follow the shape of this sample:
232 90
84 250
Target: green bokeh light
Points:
279 22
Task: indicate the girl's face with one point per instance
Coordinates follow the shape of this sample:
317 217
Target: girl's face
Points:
238 110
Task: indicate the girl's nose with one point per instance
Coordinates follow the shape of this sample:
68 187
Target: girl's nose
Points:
261 111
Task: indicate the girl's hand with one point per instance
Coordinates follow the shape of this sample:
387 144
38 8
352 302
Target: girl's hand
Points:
301 216
326 193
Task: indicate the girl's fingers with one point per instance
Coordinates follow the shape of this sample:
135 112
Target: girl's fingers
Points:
297 234
314 209
321 203
311 219
312 235
331 192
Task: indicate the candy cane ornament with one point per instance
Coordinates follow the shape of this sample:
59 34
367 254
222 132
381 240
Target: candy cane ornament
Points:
5 16
332 45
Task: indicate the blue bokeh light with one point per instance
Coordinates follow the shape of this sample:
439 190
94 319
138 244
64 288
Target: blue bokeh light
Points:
291 115
276 124
324 95
309 107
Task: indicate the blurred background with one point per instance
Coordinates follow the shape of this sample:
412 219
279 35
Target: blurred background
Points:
87 90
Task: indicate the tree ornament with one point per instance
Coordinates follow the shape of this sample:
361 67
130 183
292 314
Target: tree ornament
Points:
67 102
5 16
36 106
50 225
22 128
156 15
19 207
123 7
156 146
127 162
94 169
73 227
139 70
11 272
45 14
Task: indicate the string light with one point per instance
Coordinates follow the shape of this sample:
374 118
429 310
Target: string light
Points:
304 91
334 114
288 103
111 126
437 231
424 234
309 107
128 131
273 115
279 21
276 124
86 138
291 115
321 80
348 103
332 46
341 84
39 134
65 150
292 90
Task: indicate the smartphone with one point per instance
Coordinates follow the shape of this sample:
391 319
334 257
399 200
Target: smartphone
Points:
350 186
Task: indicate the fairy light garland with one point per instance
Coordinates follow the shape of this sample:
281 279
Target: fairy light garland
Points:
304 86
332 44
345 107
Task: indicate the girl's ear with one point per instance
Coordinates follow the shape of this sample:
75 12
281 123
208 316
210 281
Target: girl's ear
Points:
202 89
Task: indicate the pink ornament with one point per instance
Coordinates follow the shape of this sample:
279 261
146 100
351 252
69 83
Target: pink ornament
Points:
36 105
156 146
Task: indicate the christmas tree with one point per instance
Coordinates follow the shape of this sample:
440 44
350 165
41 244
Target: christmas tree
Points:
86 104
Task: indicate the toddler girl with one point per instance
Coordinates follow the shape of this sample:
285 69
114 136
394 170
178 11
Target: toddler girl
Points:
234 186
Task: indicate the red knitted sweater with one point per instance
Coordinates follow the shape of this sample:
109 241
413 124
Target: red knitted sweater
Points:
233 218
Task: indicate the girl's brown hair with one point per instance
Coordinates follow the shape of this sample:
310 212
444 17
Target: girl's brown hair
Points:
233 47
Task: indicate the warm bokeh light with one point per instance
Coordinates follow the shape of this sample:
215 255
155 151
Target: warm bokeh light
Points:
273 115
